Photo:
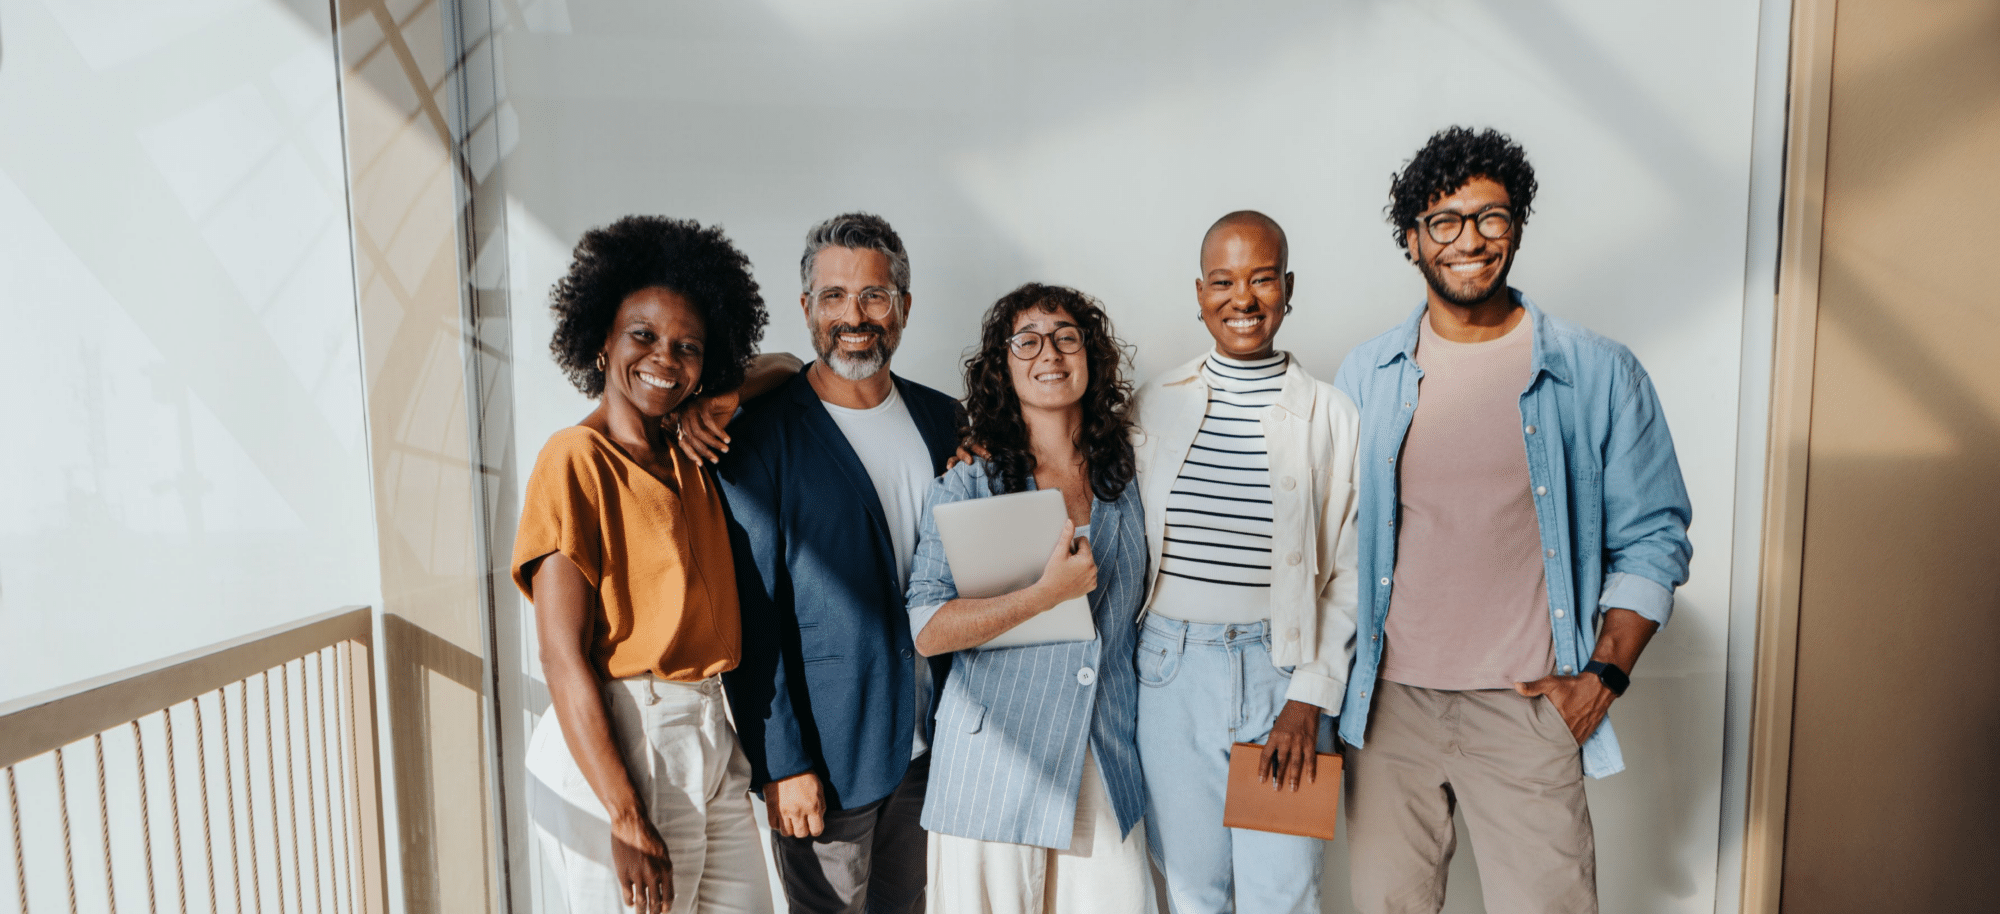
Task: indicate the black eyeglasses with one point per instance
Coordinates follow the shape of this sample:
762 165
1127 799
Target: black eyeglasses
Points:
1493 222
1027 344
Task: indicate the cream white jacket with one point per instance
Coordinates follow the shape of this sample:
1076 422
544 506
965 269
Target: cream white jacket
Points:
1311 435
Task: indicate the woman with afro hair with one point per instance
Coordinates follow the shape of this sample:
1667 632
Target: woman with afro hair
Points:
639 789
1035 794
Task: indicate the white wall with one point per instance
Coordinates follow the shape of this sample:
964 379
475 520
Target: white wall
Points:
1091 144
182 453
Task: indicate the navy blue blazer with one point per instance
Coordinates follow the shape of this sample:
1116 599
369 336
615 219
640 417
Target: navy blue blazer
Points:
828 678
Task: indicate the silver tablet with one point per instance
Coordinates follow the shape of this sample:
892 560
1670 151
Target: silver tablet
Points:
999 545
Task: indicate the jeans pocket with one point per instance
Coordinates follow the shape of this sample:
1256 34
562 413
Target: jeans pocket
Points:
1157 665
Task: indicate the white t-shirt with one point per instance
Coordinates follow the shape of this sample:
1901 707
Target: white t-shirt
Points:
899 464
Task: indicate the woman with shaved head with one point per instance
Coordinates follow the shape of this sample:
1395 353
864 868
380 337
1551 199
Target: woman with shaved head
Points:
1246 469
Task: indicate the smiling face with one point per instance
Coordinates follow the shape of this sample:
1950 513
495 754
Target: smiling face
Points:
653 355
1472 269
851 343
1243 289
1052 379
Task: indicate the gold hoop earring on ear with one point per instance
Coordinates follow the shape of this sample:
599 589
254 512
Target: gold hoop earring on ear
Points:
600 361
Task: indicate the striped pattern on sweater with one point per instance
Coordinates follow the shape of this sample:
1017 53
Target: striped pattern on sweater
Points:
1218 530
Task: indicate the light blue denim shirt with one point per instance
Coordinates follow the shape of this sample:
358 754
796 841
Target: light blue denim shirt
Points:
1609 502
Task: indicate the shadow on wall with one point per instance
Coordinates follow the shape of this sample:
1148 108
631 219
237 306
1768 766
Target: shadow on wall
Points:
436 697
973 250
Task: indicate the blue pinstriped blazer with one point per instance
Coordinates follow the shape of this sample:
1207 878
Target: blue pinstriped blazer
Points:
1012 723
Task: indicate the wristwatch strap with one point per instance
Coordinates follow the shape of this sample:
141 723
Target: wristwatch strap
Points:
1613 677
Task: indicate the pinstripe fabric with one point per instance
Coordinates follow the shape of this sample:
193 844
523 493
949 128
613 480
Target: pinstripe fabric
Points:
1012 724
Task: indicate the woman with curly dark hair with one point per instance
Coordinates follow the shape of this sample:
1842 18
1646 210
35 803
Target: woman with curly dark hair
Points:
641 793
1035 793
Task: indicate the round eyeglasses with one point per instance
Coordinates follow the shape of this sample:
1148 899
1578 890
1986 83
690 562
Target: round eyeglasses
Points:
1444 228
1027 344
875 301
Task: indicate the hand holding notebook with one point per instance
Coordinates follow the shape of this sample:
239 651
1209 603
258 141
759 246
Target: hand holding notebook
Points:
1253 804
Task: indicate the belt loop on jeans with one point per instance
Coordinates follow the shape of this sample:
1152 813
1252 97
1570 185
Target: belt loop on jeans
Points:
1182 647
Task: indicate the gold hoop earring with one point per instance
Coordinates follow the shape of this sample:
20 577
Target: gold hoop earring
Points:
600 361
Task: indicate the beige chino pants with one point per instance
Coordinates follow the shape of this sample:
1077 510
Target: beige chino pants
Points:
1510 761
690 773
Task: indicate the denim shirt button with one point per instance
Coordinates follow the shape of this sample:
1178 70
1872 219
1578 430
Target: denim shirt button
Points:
1385 582
1559 613
1566 669
1552 553
1531 429
1087 676
1541 490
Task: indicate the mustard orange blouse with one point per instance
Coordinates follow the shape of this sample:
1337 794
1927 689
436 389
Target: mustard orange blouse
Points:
658 560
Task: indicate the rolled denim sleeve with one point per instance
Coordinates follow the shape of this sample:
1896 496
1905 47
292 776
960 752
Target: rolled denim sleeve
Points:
1646 508
931 586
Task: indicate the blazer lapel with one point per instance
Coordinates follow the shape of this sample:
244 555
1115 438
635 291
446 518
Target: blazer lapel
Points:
936 423
820 427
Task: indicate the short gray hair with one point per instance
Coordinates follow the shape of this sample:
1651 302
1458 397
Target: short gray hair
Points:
861 231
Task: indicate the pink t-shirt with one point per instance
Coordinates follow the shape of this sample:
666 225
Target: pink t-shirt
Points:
1470 609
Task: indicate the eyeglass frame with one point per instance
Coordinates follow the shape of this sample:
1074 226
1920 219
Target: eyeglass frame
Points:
895 297
1475 218
1040 338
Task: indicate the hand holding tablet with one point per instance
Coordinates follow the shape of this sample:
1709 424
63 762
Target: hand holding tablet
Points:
1006 543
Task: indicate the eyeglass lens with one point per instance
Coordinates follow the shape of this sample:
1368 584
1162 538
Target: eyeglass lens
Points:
1027 344
1444 228
875 300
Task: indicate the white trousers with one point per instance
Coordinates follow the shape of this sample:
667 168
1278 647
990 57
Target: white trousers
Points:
690 773
1098 874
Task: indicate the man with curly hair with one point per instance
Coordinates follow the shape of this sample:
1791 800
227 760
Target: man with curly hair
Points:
1524 526
825 480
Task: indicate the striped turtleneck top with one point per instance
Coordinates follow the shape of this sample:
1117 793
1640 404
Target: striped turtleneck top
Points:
1215 565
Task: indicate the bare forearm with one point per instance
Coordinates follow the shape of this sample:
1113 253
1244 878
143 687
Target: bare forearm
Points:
562 634
1622 637
767 370
586 728
969 622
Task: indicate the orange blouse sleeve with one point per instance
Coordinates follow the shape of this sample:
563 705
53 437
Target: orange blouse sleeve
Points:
562 511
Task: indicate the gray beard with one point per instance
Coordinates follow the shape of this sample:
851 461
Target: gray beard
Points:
853 366
859 367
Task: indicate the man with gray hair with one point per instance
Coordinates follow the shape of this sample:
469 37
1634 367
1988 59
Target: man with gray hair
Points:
825 480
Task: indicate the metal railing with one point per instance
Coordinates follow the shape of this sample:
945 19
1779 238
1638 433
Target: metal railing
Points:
240 778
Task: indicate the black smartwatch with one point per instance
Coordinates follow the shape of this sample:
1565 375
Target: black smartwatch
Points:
1613 677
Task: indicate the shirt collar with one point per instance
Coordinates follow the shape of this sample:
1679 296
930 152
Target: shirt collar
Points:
1547 357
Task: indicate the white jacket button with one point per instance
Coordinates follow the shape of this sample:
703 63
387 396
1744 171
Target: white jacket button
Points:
1292 558
1288 483
1086 676
1292 634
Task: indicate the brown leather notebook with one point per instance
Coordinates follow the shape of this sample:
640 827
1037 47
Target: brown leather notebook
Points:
1309 812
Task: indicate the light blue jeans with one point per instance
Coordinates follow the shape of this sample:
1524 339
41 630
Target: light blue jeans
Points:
1203 687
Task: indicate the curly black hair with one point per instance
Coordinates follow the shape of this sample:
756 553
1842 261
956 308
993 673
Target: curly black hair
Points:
642 252
993 411
1452 157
